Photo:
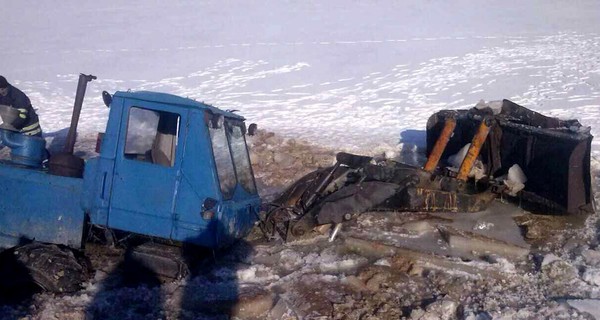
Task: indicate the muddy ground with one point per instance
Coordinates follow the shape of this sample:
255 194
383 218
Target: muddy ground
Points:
503 263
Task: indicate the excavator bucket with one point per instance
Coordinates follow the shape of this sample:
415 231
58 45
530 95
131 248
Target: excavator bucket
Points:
554 154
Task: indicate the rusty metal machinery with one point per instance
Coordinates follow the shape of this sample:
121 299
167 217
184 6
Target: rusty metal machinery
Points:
515 135
554 154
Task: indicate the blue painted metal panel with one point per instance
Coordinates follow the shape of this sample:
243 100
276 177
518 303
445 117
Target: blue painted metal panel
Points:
142 198
237 216
97 188
198 183
99 172
232 218
38 206
143 194
25 150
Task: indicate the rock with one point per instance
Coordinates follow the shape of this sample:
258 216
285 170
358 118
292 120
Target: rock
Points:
324 159
282 311
478 316
558 270
100 276
572 244
73 315
376 281
444 309
284 160
291 142
417 314
272 140
252 305
591 257
549 258
592 276
416 270
543 226
255 158
403 264
289 260
355 283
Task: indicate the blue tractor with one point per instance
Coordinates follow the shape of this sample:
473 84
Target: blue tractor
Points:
169 168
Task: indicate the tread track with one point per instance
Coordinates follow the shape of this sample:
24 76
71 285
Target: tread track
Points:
51 267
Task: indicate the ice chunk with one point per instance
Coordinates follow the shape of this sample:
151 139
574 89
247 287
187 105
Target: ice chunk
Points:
549 258
473 245
516 180
478 170
383 262
456 159
589 306
495 106
481 105
580 129
515 173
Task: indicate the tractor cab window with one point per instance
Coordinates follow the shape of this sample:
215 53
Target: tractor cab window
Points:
239 152
152 136
222 154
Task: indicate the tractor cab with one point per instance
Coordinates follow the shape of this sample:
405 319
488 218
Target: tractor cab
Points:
173 168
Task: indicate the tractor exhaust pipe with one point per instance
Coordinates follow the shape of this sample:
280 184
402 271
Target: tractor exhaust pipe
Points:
72 135
66 163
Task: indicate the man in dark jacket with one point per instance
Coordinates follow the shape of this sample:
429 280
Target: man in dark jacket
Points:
27 122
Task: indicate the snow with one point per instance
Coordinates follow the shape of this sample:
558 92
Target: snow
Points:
355 76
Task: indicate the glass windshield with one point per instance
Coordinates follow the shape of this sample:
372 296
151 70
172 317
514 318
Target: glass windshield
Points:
222 155
240 156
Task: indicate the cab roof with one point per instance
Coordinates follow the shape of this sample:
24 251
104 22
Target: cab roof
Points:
166 98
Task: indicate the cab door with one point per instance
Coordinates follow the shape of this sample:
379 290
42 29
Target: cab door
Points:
146 175
240 200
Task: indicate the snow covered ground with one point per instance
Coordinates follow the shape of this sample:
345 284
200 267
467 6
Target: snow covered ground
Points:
357 76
